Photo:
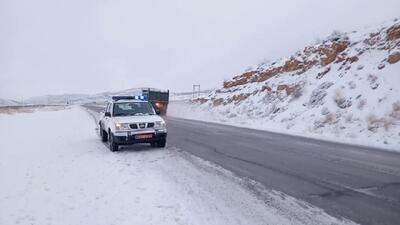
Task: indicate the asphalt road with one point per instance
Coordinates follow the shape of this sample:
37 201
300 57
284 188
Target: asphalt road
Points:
358 183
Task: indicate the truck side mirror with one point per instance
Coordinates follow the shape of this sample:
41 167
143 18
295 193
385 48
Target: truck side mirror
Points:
107 114
158 112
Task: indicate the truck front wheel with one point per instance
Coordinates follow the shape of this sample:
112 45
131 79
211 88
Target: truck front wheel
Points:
103 134
161 143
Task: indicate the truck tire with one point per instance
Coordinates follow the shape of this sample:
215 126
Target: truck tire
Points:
103 134
162 143
113 146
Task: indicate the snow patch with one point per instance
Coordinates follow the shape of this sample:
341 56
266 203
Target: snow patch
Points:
61 173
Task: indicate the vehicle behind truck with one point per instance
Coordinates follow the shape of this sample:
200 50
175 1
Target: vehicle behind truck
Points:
159 99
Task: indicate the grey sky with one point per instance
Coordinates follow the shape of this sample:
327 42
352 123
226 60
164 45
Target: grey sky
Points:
88 46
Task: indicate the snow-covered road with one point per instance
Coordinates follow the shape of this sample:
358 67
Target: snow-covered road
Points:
55 170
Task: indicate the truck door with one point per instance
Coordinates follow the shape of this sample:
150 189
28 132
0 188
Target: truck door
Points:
106 120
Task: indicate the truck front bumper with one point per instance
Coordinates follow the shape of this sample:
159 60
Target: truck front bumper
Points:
129 138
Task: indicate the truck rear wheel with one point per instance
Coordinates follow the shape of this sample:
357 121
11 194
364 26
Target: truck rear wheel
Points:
113 146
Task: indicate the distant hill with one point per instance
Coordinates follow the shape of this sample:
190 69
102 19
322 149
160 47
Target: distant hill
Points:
8 102
79 98
99 97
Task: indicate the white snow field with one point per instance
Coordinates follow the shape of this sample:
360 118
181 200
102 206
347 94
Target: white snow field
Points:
55 170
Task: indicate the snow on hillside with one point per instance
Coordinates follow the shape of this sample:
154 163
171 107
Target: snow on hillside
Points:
344 88
70 177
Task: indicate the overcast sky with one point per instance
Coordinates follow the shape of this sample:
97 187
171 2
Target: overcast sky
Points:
88 46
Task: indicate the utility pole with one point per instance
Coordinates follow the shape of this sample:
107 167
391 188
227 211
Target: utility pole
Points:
196 90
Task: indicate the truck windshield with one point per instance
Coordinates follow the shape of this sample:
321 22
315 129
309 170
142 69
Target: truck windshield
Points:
132 109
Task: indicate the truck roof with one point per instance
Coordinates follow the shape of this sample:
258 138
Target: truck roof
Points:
145 89
155 89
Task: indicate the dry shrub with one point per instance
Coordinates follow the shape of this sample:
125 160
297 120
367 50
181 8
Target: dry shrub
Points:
238 98
200 100
231 115
395 114
318 94
387 123
341 101
330 118
374 122
218 102
298 91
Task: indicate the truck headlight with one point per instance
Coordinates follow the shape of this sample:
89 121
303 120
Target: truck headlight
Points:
160 124
122 126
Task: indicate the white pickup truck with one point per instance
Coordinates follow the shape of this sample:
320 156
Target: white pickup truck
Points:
129 120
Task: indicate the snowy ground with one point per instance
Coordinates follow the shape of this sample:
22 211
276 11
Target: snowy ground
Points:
183 96
54 170
187 110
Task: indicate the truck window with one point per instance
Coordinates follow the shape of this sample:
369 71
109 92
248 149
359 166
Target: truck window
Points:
132 109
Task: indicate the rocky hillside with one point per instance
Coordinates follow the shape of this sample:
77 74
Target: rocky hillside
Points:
347 86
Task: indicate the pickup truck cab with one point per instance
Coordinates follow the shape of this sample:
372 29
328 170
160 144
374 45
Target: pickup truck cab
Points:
129 120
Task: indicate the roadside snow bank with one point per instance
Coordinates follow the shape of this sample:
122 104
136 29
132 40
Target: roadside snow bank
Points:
54 170
189 110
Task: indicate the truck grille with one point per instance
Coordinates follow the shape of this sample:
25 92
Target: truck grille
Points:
141 125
